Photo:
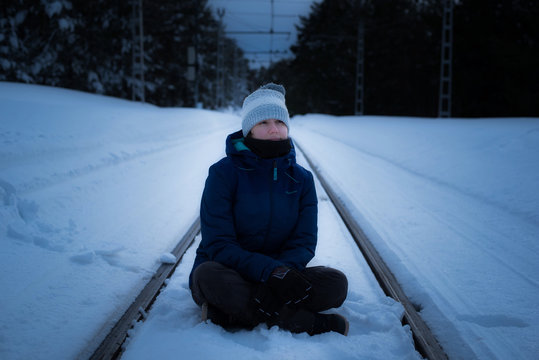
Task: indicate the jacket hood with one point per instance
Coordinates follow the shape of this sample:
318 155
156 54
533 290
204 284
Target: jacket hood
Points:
243 157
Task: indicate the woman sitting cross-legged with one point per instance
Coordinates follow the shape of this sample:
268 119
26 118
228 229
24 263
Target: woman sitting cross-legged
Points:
259 231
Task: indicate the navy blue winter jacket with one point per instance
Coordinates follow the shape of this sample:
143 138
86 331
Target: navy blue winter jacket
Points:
257 214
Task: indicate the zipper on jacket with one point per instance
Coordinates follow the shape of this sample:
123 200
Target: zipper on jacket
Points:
270 202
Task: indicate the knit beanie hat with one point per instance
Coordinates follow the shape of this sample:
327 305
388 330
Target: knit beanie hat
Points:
265 103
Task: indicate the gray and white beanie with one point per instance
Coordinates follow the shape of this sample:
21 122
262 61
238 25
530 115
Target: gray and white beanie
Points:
265 103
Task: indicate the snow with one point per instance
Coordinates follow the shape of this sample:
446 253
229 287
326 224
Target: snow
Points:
83 220
55 7
453 207
168 258
96 191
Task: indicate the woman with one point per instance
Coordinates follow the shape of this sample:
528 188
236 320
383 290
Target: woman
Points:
259 230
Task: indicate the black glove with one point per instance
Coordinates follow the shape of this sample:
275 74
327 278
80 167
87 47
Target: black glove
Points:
266 302
289 285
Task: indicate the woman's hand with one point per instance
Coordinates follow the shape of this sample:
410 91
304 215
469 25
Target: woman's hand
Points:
289 285
285 286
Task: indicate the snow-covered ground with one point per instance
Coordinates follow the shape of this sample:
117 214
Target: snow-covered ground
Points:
93 190
453 207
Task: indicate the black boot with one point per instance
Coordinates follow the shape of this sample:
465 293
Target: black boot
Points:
330 322
216 316
301 320
226 321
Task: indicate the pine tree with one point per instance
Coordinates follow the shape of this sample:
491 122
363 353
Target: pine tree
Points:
496 58
36 36
87 45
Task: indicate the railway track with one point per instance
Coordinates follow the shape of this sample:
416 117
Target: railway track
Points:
111 346
424 341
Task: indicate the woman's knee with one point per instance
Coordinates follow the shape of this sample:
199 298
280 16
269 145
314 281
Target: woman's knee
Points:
216 282
207 272
330 287
203 278
341 287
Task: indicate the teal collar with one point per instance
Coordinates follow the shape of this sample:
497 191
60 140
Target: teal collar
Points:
239 145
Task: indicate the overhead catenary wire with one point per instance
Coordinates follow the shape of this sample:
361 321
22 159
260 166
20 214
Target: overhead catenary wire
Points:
275 32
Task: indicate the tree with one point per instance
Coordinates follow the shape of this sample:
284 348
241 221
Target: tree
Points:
87 45
496 57
324 63
400 59
35 38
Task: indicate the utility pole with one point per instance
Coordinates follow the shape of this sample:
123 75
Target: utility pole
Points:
191 73
195 62
271 36
444 105
235 80
137 84
359 66
219 88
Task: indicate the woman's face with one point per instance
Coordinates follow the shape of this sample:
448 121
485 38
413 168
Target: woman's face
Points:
271 129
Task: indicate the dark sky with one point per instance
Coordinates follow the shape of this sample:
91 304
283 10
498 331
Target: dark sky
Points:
255 16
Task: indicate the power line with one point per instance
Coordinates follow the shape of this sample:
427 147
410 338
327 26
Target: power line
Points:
265 14
260 32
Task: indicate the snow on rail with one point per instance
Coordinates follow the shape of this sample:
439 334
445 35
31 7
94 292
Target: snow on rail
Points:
111 346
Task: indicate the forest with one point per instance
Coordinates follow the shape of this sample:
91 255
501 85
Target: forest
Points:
90 46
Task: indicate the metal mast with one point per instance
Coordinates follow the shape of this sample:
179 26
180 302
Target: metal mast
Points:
137 85
360 67
444 106
271 36
219 89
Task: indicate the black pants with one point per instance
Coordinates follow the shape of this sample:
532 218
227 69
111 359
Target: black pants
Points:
228 291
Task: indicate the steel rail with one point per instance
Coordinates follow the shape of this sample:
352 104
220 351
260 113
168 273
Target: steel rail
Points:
425 342
111 346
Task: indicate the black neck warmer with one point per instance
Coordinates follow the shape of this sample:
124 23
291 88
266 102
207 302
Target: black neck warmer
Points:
268 149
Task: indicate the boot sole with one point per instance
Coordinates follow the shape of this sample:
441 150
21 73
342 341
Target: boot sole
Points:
347 325
204 312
